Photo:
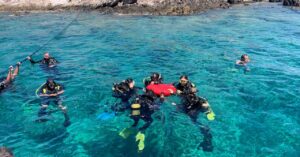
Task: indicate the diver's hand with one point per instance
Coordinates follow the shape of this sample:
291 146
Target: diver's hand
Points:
179 91
11 68
53 94
63 108
19 63
28 58
205 105
193 90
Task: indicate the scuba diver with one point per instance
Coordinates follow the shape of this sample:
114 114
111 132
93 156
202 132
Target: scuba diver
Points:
192 105
185 87
155 78
124 90
142 108
50 92
5 82
47 60
243 62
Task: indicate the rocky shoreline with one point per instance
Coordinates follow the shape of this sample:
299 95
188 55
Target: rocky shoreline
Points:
132 7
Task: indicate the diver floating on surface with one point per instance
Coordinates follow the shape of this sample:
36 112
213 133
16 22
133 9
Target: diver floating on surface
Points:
125 91
11 75
243 63
142 109
193 105
50 92
184 86
46 61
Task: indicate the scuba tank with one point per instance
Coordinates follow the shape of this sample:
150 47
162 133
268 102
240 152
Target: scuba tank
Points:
135 109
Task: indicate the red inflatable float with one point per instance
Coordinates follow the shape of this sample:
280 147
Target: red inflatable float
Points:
165 89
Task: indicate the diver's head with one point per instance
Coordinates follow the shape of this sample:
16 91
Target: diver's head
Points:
5 152
50 83
130 82
155 76
183 79
245 58
46 55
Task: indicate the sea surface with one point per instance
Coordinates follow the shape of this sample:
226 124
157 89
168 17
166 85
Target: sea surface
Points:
257 112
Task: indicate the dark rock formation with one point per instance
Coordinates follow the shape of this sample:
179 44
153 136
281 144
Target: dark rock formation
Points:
275 0
291 3
234 1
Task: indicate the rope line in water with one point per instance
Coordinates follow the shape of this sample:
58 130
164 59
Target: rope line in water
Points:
47 42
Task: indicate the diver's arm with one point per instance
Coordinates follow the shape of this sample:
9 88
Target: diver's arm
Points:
9 75
57 93
55 60
16 71
238 62
60 92
193 88
32 61
44 95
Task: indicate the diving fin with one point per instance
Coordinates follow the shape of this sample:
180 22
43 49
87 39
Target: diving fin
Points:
140 137
126 132
106 116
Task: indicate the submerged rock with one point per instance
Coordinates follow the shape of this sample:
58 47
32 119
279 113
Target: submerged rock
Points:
291 3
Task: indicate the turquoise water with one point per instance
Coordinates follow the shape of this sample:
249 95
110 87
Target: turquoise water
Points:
257 113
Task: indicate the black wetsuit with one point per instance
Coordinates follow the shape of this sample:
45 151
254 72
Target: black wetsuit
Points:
49 62
46 100
146 110
192 106
156 80
186 89
125 93
46 90
3 83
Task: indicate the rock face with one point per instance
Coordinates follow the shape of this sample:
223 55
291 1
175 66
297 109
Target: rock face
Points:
139 7
275 0
235 1
291 3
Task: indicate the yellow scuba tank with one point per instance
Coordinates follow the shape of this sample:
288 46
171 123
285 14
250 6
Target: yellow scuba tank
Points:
135 109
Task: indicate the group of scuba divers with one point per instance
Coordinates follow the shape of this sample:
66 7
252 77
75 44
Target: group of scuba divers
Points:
140 106
49 92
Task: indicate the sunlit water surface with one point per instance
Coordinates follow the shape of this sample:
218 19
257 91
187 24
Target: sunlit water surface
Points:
257 113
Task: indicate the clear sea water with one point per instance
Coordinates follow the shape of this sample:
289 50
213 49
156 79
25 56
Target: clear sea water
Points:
257 113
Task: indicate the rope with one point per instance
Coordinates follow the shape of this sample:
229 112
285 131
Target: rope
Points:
47 42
